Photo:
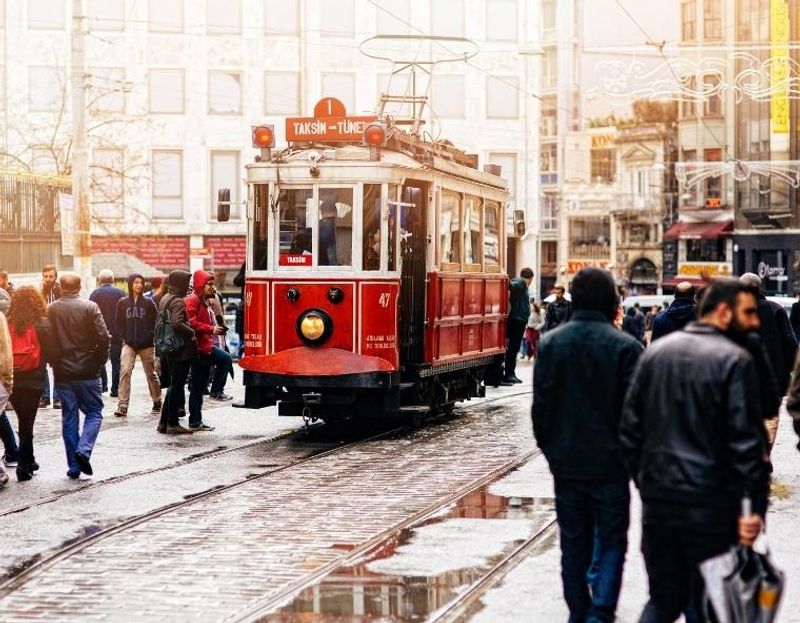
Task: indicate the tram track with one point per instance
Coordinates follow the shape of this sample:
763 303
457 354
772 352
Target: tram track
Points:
261 610
460 608
22 574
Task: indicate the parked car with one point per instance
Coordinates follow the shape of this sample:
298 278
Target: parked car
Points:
646 301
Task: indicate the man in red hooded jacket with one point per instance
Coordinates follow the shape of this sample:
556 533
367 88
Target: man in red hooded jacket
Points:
202 322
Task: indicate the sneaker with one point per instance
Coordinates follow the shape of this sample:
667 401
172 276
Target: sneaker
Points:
507 381
161 428
9 461
156 407
516 380
220 396
56 404
24 474
202 427
178 430
120 413
44 403
114 394
3 478
73 475
83 462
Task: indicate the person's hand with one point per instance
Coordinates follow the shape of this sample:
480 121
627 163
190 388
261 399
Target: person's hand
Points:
218 331
749 528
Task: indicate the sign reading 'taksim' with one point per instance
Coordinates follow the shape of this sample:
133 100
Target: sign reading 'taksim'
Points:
330 124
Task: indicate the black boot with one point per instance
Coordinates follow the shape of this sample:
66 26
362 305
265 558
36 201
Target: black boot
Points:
25 463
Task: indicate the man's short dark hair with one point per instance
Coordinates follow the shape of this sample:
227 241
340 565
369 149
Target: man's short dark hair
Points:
720 291
526 273
684 290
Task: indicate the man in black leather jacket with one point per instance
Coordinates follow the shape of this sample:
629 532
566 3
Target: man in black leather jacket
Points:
81 343
692 440
581 375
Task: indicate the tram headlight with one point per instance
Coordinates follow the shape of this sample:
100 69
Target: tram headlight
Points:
314 327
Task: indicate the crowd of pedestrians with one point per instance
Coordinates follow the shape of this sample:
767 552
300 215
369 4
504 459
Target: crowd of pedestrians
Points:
53 326
690 420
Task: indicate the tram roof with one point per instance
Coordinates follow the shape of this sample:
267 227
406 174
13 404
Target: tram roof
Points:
356 155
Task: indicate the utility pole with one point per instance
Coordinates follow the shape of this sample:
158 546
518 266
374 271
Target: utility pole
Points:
80 151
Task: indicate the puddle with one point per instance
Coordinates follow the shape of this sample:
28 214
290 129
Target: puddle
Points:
425 567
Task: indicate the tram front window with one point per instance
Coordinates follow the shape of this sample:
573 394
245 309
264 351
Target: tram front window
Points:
335 227
295 234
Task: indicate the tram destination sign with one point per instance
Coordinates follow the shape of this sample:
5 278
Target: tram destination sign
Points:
330 124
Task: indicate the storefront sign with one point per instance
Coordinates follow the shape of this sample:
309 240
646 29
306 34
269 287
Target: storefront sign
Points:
294 259
229 251
330 123
602 141
704 269
573 266
164 252
775 273
779 66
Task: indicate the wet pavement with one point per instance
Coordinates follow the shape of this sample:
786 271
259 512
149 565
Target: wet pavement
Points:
426 566
250 541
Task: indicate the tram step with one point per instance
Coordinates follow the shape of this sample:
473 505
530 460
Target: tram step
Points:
410 409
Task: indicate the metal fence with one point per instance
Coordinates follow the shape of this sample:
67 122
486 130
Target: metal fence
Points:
30 224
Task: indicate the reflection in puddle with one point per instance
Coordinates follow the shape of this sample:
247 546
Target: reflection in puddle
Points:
425 567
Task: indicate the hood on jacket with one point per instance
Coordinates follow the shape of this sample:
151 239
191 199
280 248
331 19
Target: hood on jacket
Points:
593 289
178 281
682 310
131 277
199 281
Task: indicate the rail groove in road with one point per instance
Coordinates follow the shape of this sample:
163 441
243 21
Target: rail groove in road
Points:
43 564
459 608
255 612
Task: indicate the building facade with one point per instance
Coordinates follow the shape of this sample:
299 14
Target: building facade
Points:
615 197
174 87
699 243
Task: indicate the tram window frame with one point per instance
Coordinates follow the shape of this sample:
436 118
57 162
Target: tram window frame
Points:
499 216
320 191
368 229
260 247
452 264
310 216
476 208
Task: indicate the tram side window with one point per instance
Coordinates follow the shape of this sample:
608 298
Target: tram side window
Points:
491 235
392 225
450 232
295 235
335 227
472 231
371 245
260 223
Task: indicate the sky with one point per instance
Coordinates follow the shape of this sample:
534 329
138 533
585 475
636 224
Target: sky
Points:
606 24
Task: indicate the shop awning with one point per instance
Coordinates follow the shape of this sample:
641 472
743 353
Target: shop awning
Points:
699 231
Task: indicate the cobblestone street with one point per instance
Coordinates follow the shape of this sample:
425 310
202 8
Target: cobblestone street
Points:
392 528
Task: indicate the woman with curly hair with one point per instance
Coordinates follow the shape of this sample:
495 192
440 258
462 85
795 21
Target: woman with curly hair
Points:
30 333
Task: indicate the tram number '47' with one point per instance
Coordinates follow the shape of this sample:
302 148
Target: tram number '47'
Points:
383 299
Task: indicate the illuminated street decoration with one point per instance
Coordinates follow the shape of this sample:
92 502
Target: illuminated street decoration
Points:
682 79
692 173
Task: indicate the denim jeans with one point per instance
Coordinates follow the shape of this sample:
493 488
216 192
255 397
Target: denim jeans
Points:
114 356
78 396
46 388
201 368
593 521
221 360
11 450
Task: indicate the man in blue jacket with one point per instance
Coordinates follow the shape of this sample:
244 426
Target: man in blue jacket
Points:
135 325
682 311
106 295
581 375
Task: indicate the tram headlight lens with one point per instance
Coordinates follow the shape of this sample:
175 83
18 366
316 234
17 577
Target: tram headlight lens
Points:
314 327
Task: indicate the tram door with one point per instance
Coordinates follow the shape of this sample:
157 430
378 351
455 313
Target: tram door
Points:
413 210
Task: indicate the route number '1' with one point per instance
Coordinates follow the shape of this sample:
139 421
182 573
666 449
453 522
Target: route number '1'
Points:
383 299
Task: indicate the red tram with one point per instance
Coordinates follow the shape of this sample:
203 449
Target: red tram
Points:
375 279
